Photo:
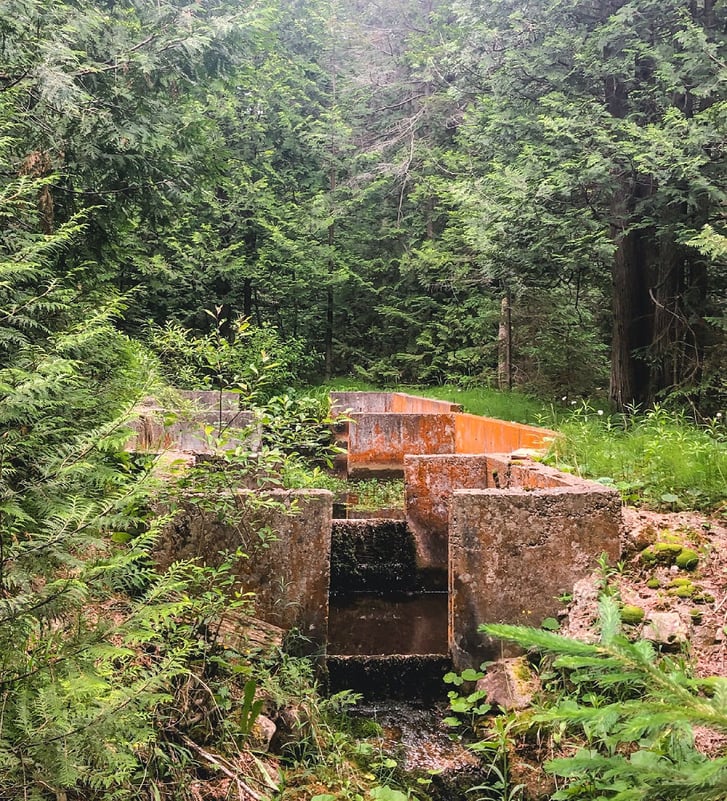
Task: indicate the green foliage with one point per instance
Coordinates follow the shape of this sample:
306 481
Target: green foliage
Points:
656 457
633 713
252 360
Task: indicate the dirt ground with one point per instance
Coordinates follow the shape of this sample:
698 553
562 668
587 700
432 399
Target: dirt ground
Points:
693 601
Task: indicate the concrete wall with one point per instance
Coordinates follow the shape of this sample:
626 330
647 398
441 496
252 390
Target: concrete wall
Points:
377 443
429 482
512 552
344 402
289 575
394 402
157 428
401 403
475 434
385 426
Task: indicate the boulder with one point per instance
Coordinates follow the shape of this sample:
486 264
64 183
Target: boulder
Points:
666 629
510 683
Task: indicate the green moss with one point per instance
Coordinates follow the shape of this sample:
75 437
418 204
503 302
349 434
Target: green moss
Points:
685 591
653 583
631 615
680 581
666 552
696 615
687 559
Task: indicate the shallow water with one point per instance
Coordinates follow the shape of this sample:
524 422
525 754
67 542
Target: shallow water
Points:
369 624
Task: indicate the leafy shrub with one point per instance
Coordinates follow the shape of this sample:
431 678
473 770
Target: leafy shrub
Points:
253 359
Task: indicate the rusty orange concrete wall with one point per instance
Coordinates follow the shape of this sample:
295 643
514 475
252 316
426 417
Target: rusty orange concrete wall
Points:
377 443
429 482
475 434
376 402
414 404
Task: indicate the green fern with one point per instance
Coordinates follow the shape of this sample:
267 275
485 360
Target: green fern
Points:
634 710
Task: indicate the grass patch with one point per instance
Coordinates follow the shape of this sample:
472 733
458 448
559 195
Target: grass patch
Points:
658 458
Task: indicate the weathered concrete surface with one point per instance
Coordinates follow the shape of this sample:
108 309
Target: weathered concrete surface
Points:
158 429
512 552
475 434
381 402
506 472
289 573
347 402
429 483
377 443
403 403
410 676
385 426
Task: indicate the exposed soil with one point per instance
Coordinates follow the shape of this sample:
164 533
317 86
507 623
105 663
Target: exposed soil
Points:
703 613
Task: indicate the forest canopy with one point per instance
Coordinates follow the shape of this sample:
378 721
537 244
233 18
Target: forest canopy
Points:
380 187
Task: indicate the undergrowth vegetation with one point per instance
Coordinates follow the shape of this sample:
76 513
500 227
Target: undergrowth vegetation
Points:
621 717
657 457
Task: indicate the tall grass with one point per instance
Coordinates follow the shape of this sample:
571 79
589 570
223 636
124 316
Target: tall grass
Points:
659 457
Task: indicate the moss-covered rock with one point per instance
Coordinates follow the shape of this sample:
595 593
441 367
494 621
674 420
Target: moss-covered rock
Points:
666 552
687 559
632 615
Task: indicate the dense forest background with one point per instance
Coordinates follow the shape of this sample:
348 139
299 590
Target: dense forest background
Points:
420 191
261 194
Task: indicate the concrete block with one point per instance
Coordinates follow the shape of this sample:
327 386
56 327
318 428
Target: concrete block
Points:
512 552
289 573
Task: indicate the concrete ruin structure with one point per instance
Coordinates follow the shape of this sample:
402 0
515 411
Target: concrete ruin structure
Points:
197 419
509 534
512 534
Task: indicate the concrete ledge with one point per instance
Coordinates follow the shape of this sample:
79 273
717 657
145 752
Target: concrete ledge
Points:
386 402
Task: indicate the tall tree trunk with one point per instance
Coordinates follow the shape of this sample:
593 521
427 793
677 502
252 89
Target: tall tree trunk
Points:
631 333
504 344
329 288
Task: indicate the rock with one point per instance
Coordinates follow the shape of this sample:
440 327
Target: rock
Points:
666 629
583 611
687 559
637 539
510 683
293 729
262 733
